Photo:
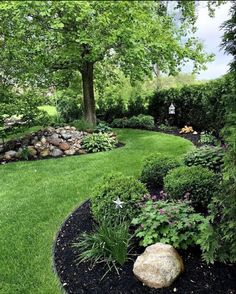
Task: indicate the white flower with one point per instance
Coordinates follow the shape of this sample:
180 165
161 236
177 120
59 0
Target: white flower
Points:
118 203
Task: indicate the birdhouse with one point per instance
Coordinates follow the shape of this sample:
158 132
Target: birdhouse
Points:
172 109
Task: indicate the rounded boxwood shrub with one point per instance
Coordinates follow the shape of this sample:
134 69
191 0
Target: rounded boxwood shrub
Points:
195 183
155 167
128 190
209 157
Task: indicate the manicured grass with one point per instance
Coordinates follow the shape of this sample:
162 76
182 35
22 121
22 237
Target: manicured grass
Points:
51 110
37 196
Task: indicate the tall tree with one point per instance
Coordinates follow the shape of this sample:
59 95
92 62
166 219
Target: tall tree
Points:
41 40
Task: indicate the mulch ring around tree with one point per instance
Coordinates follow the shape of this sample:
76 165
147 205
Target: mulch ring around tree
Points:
78 279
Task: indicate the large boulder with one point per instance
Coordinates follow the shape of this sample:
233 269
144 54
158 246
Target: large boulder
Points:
158 266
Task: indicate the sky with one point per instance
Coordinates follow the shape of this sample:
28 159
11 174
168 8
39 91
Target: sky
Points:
209 32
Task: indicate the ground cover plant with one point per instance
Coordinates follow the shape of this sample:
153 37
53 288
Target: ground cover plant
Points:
98 142
170 222
56 188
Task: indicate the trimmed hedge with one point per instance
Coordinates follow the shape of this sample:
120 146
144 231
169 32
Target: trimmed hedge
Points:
136 122
201 106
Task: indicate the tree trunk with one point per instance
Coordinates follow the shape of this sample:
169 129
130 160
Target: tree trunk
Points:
88 93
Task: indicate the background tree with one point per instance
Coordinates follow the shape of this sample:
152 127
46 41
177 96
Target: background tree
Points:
43 42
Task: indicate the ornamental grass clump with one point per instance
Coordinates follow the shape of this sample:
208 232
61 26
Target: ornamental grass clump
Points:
108 244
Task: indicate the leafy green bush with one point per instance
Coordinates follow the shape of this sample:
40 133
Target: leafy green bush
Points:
82 125
98 142
155 168
68 107
195 182
107 244
166 128
113 187
138 122
207 139
120 123
169 222
137 106
102 127
218 238
206 156
142 122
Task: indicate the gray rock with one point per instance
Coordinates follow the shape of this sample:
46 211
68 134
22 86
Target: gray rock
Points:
66 136
11 154
70 152
43 140
55 142
158 266
54 136
57 152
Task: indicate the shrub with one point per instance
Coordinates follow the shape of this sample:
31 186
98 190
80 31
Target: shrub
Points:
98 142
114 186
68 107
166 128
155 167
107 244
218 238
82 125
120 123
142 122
138 122
102 127
207 139
195 182
209 157
169 222
136 106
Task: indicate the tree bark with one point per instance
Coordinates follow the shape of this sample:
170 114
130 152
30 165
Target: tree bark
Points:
88 93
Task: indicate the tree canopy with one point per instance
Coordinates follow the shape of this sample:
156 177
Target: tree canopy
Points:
48 42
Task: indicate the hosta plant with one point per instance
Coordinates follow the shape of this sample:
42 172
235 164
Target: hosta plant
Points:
98 142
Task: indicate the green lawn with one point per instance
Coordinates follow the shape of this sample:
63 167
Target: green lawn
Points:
51 110
37 196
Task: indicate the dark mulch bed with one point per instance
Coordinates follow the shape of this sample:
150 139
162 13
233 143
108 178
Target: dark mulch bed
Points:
77 279
176 132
